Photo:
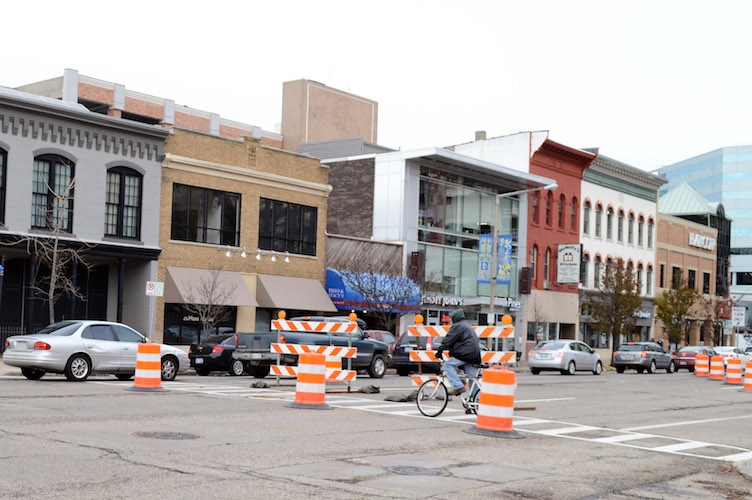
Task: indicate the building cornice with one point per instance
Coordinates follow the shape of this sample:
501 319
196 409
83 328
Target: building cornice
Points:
241 174
622 171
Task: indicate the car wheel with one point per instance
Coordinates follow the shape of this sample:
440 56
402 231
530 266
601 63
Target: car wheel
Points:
202 373
78 368
619 369
403 372
671 367
32 373
169 368
535 371
259 371
598 368
236 368
378 366
571 368
124 376
651 368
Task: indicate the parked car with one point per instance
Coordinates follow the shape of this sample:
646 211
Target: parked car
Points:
385 337
642 356
685 357
335 319
728 352
564 356
215 354
82 347
401 354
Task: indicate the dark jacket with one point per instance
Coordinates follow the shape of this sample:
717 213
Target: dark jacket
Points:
462 343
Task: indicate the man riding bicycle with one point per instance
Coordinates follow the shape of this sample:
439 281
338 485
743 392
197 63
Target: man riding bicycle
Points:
464 351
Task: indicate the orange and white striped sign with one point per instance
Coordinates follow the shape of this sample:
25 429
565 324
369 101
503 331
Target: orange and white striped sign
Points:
332 375
420 379
485 356
484 332
748 376
313 326
331 350
426 356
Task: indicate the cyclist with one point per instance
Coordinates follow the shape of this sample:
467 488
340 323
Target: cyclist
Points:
464 351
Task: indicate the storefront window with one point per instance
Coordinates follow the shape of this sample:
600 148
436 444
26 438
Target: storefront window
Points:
183 327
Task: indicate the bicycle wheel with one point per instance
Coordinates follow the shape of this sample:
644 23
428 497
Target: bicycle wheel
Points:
432 398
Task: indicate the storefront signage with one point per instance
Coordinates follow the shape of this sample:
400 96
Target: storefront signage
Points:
568 264
503 256
737 316
191 317
440 300
485 258
700 241
643 314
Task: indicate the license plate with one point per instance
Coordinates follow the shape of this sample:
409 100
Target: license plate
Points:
199 361
682 362
408 349
627 356
543 356
256 355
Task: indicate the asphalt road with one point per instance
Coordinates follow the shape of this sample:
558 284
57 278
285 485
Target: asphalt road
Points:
611 436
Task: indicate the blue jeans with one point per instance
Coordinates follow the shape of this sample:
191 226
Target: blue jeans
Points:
450 369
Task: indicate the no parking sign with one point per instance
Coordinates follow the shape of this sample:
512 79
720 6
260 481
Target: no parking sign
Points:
155 288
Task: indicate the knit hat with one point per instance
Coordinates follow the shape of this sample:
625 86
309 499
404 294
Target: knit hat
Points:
457 315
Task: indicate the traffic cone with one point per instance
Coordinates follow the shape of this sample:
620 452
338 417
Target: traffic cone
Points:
734 371
716 368
702 363
748 377
496 404
148 368
310 387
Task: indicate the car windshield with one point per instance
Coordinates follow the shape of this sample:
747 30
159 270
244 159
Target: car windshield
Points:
61 329
551 345
724 349
692 349
631 347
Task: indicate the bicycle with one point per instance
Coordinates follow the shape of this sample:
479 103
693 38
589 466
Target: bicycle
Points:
433 395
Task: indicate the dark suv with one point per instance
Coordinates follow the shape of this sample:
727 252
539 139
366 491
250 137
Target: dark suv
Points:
642 356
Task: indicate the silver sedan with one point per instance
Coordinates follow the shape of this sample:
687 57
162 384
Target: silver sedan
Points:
80 348
564 356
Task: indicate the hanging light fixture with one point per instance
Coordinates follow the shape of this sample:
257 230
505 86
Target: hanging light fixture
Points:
244 255
287 257
228 253
258 254
274 257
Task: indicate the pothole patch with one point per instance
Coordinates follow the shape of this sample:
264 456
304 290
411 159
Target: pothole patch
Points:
417 471
167 435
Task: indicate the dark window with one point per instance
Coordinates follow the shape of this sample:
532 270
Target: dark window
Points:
630 229
287 227
52 193
61 329
561 211
609 223
650 233
585 266
573 220
598 213
705 282
549 201
535 207
533 261
125 334
649 283
640 230
676 276
123 207
586 218
620 227
205 215
3 174
597 272
98 332
691 282
661 278
744 278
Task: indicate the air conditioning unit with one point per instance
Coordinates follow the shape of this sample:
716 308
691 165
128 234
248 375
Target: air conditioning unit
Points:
546 285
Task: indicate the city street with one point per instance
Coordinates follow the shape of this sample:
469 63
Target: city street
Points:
610 436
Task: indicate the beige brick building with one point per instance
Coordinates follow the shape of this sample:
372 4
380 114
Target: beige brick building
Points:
250 175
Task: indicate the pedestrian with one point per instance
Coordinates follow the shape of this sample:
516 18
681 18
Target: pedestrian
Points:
464 351
660 342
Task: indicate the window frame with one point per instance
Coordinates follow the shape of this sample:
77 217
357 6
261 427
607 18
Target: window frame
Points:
649 280
609 223
640 230
534 261
547 265
549 202
573 215
630 229
535 207
54 161
586 218
650 232
705 282
204 229
597 271
3 183
598 214
562 202
585 268
305 247
620 227
122 173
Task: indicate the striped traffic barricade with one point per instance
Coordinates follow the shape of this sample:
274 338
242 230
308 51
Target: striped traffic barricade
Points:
333 373
148 368
310 387
716 368
748 376
702 365
496 404
734 371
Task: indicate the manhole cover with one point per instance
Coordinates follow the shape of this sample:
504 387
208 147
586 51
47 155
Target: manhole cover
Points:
417 471
166 435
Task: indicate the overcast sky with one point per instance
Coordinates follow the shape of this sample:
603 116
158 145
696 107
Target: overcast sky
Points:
650 83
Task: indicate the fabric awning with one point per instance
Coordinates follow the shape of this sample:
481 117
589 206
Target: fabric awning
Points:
185 285
285 292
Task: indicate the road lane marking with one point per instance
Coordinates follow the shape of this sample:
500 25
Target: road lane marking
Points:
568 430
688 445
686 422
542 400
739 457
623 437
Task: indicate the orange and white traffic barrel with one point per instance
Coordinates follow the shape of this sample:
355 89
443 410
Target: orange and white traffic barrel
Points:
734 371
496 404
702 365
310 388
148 368
748 376
716 368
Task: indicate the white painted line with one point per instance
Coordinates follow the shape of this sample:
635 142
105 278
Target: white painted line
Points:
687 422
687 445
459 417
737 457
341 400
408 389
568 430
623 437
530 421
388 405
541 400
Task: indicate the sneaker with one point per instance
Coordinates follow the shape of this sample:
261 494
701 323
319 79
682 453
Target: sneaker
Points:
455 392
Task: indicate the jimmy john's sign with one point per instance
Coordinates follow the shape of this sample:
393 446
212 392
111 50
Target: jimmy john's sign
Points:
700 241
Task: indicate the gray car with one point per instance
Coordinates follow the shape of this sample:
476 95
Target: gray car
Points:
642 356
564 356
80 348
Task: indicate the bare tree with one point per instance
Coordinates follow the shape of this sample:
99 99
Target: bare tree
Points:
387 296
208 299
538 316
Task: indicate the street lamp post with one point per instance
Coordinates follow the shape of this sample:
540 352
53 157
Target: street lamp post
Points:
495 273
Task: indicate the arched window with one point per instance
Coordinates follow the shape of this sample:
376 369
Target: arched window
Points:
585 267
573 221
535 207
609 223
598 213
3 173
586 218
597 271
533 262
620 227
609 263
561 211
639 279
547 265
630 229
52 193
123 206
640 230
549 202
650 234
649 281
630 269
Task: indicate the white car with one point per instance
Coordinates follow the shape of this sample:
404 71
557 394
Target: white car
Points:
82 347
732 352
